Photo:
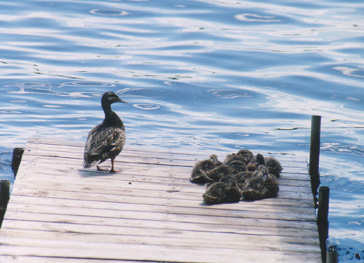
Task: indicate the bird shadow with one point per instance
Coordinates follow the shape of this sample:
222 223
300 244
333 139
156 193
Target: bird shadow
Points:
94 173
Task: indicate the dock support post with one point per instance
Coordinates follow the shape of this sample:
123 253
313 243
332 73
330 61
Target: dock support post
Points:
15 163
322 219
331 256
4 198
315 153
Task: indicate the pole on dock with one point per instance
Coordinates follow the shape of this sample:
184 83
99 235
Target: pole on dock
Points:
322 219
4 198
15 163
315 153
331 256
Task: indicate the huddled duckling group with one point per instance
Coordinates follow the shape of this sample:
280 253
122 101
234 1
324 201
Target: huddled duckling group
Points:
241 176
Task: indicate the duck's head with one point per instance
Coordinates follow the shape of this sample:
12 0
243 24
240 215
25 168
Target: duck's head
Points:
213 158
110 97
260 159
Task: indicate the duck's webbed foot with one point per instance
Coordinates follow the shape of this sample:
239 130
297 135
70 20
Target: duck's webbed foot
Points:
114 171
101 169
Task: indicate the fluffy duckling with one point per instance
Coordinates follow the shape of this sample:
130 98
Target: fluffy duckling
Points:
261 185
198 174
229 179
273 166
241 177
270 181
247 155
255 162
254 189
220 192
106 140
237 166
216 173
242 155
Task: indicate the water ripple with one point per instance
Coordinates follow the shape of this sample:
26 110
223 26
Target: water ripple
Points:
108 12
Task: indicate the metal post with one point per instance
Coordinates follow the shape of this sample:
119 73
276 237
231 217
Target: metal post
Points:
315 153
331 256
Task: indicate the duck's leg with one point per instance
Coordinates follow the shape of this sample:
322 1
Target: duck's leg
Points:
112 167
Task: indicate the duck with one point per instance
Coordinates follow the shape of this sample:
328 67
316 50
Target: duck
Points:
270 181
215 174
106 140
241 177
241 155
220 192
237 166
253 189
273 166
262 184
255 162
198 174
272 185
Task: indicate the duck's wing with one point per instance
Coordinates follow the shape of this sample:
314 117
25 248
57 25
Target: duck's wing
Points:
103 143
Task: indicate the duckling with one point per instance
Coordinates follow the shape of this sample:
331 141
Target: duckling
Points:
254 189
273 166
198 176
220 192
237 166
270 181
215 174
261 185
233 157
242 155
229 179
272 185
255 162
106 140
247 155
241 177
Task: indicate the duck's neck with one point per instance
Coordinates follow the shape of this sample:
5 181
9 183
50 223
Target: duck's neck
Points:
107 109
111 118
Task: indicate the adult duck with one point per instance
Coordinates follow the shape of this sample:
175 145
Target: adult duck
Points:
106 140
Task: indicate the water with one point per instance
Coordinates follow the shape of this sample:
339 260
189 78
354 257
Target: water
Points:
218 75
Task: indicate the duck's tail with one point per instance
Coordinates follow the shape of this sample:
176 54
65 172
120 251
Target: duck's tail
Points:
86 164
89 161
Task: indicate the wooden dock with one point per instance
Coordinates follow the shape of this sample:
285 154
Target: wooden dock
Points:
150 212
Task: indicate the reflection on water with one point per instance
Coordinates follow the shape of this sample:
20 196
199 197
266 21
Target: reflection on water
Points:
217 75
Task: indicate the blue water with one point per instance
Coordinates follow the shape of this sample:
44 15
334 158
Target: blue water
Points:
218 75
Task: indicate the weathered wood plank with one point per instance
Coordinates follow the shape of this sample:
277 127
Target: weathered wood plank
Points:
170 198
39 164
248 226
137 175
170 211
106 251
149 212
138 179
157 151
37 259
143 157
159 190
188 239
76 160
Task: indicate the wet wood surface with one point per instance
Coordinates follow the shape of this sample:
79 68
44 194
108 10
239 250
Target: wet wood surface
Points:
60 212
